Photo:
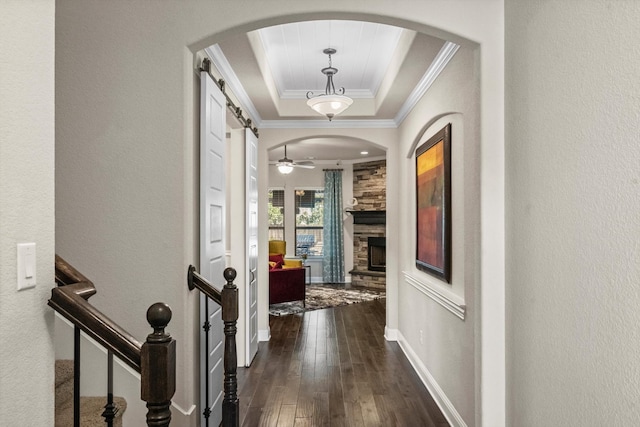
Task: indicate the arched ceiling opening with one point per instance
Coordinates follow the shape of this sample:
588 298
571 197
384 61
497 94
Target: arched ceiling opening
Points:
322 148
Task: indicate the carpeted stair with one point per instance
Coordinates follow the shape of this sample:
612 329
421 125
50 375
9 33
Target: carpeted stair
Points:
91 408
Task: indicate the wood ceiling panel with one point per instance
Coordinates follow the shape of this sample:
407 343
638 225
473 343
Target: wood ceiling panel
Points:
295 57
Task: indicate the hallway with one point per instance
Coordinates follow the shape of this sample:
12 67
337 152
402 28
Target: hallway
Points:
333 367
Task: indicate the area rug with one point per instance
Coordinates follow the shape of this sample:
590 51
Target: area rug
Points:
325 296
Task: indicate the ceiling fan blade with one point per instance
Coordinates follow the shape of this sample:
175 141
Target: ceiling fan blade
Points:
305 163
298 165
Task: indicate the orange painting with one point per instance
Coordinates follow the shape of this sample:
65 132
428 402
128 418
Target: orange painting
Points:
431 202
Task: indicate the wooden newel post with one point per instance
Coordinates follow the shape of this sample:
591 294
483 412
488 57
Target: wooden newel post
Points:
230 405
158 367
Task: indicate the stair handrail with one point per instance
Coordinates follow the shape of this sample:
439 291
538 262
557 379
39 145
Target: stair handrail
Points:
66 274
196 281
155 360
228 300
71 301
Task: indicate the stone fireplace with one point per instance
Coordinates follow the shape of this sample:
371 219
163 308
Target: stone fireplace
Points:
377 254
369 225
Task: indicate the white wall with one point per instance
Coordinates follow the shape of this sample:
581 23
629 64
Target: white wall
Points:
126 131
26 210
573 172
447 351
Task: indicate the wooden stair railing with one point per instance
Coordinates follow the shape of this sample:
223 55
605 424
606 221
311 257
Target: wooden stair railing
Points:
228 300
155 360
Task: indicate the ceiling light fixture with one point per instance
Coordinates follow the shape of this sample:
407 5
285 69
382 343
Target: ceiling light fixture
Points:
329 103
285 169
285 165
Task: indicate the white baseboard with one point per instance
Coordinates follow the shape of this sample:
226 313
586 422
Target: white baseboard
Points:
441 399
390 334
182 417
264 334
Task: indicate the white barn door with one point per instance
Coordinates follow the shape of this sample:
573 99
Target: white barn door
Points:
212 246
251 154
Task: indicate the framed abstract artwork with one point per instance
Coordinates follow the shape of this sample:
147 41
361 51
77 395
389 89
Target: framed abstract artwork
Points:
433 205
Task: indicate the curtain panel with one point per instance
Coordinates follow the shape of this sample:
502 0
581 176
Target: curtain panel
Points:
333 260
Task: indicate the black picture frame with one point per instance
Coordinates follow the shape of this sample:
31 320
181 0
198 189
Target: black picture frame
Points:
433 205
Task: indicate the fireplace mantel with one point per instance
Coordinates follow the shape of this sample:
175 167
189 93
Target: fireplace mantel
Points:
368 216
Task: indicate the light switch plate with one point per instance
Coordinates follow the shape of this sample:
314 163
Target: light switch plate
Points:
26 265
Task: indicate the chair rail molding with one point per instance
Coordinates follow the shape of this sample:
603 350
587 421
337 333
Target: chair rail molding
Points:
453 303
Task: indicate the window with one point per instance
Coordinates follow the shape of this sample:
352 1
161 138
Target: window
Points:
276 214
309 222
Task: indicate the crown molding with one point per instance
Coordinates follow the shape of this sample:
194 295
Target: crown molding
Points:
222 64
326 124
441 60
302 94
445 55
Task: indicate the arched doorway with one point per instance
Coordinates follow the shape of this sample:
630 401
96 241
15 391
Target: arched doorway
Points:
393 304
156 111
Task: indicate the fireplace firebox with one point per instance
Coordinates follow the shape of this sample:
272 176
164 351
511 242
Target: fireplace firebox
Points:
377 254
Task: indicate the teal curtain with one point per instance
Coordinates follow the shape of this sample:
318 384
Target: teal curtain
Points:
333 242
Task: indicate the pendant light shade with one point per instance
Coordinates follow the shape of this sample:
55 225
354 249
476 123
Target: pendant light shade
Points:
330 103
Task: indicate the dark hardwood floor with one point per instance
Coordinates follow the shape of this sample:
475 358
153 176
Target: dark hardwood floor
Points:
333 367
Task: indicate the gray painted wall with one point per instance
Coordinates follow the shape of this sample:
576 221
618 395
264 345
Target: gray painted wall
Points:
448 344
573 173
26 210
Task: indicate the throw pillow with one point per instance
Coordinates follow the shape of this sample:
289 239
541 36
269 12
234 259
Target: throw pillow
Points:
279 258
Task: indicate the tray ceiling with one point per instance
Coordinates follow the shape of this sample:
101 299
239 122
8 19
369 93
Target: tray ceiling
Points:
381 67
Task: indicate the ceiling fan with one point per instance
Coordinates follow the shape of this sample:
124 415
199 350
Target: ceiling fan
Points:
286 165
